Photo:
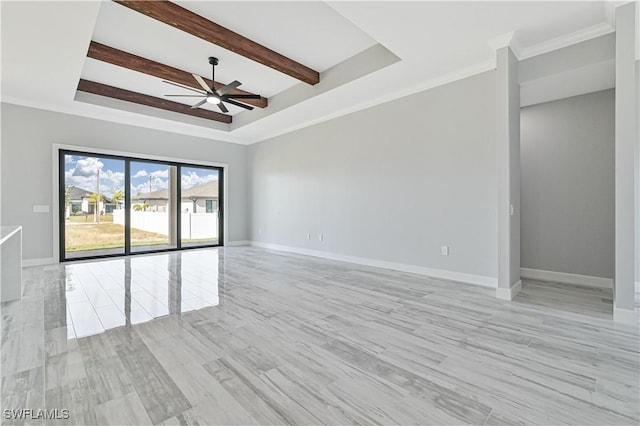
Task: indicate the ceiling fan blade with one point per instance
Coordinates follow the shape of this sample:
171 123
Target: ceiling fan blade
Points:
222 107
232 102
199 104
184 87
202 83
189 96
244 96
229 87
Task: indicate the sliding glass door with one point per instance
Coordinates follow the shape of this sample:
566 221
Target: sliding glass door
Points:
200 213
93 191
153 201
113 205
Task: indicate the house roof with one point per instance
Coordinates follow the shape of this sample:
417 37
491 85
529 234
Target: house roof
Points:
207 190
76 193
161 194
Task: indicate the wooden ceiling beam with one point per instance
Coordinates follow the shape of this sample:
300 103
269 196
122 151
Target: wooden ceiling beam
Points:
141 99
120 58
194 24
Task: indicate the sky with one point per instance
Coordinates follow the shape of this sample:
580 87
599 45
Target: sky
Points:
82 172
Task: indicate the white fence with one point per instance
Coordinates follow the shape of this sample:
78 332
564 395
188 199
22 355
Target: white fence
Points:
193 225
199 225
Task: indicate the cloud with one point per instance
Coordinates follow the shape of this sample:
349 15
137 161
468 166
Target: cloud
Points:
111 181
87 167
116 178
191 179
82 177
69 159
143 188
160 173
84 182
83 174
159 180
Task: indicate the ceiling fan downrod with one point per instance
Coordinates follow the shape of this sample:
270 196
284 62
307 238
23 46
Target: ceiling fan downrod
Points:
213 61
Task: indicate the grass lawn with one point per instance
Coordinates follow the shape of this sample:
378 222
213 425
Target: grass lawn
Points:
105 218
81 236
93 236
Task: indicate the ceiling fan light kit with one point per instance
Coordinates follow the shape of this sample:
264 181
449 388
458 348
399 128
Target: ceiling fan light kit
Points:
217 97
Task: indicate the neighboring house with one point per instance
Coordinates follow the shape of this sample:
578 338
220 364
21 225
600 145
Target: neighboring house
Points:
198 199
81 202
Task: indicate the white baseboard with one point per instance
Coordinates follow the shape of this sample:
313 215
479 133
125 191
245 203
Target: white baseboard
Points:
563 277
625 316
463 277
238 243
509 293
38 261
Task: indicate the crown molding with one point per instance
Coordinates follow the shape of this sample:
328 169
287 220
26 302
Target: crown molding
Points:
584 34
103 113
507 40
525 52
501 41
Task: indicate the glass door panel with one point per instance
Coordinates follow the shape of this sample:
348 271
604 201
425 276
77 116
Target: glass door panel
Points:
92 200
200 197
111 205
153 198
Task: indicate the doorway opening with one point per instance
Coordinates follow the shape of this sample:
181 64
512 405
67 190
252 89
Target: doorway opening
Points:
568 203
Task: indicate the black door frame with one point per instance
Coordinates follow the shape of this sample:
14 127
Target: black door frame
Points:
127 182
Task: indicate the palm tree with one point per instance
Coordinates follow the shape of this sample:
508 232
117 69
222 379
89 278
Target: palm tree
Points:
141 207
93 199
118 197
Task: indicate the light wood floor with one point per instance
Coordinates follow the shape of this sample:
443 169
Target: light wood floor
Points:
248 336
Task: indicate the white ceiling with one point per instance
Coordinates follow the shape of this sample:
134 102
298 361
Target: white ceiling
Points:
44 47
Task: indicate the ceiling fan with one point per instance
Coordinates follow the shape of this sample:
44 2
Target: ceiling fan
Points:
216 97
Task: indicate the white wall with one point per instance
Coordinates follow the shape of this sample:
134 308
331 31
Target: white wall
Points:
568 216
27 138
394 182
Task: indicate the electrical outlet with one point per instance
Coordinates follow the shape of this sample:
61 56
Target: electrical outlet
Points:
320 237
511 210
308 236
260 231
444 250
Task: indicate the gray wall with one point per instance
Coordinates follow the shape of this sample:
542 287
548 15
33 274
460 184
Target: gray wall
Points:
637 177
27 138
394 182
508 158
626 151
567 187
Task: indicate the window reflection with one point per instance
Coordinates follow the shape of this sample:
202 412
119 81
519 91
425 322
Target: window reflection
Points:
106 294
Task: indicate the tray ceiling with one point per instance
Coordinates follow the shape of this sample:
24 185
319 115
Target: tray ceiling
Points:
365 53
